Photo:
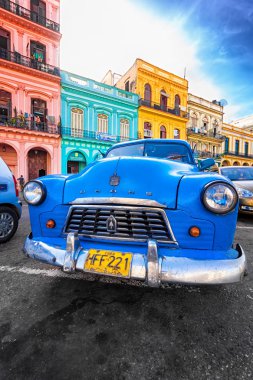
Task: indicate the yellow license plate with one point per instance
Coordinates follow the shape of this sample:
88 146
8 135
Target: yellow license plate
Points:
111 263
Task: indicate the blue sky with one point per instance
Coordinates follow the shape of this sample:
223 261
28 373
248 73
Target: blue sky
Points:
211 39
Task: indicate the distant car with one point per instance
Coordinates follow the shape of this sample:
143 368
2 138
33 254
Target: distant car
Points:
10 205
242 178
145 211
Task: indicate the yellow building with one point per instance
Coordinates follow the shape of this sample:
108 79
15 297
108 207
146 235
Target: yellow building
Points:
204 127
238 145
163 99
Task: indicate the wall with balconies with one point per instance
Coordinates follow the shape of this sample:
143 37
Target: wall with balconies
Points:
94 116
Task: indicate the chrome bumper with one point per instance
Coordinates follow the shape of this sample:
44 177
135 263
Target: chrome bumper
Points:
150 267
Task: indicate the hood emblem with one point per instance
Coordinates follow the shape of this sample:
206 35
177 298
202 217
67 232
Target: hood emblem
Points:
114 180
111 224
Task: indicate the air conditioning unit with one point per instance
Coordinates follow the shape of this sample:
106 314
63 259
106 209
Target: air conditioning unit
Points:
147 133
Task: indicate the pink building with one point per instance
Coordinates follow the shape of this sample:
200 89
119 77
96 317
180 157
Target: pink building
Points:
30 86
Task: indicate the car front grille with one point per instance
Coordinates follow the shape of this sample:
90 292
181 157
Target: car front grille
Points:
132 223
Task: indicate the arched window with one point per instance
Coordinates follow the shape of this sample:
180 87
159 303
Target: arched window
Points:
204 127
147 130
102 123
176 133
147 94
177 105
76 122
162 132
163 100
124 128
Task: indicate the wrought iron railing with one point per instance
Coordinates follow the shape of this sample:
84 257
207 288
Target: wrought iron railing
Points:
103 137
29 124
16 57
29 15
207 154
164 108
212 134
234 153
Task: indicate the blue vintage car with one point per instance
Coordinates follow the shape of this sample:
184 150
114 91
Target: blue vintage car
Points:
145 211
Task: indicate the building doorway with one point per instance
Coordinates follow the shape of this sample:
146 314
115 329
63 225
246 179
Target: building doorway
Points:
76 163
37 163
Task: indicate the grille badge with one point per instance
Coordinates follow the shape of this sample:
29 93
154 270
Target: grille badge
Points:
111 224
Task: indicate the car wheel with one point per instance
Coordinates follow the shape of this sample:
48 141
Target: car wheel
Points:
8 224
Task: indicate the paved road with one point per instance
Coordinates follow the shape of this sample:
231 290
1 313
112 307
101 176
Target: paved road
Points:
53 326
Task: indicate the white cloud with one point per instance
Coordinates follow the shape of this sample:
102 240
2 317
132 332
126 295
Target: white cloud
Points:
101 35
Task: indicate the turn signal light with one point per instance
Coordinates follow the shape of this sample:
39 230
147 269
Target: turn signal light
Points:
50 223
194 231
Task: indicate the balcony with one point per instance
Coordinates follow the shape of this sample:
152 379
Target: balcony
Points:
237 154
29 15
160 107
29 125
210 133
91 135
207 154
16 57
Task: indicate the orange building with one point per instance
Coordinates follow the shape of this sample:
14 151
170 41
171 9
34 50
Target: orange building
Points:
30 86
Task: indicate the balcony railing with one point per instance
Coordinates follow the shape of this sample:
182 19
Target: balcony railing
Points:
29 15
161 107
237 154
207 154
28 124
16 57
212 134
102 137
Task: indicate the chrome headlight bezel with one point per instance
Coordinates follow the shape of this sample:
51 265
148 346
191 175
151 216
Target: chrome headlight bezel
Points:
39 197
220 210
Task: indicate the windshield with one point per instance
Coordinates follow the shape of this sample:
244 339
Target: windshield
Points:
238 174
170 151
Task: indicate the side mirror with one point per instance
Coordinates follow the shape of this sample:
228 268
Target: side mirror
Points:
205 164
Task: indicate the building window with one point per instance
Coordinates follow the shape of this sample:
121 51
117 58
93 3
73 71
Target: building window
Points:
162 132
38 52
226 144
4 42
102 123
176 133
204 127
38 11
39 114
163 100
147 130
127 86
246 148
5 106
177 105
147 94
77 122
237 146
194 123
124 128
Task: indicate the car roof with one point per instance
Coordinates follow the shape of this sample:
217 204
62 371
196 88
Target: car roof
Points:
150 141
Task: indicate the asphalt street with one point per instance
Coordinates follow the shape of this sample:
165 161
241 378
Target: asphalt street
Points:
58 326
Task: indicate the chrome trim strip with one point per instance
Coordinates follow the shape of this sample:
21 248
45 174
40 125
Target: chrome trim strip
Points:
153 277
121 201
173 241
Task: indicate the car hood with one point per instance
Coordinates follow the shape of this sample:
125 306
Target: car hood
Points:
136 178
248 185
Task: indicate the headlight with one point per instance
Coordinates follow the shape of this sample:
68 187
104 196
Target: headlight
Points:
219 197
34 192
243 193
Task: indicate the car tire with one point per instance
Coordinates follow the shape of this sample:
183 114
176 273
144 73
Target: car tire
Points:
8 223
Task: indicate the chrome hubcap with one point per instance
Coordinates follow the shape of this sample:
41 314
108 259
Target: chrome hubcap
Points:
6 224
